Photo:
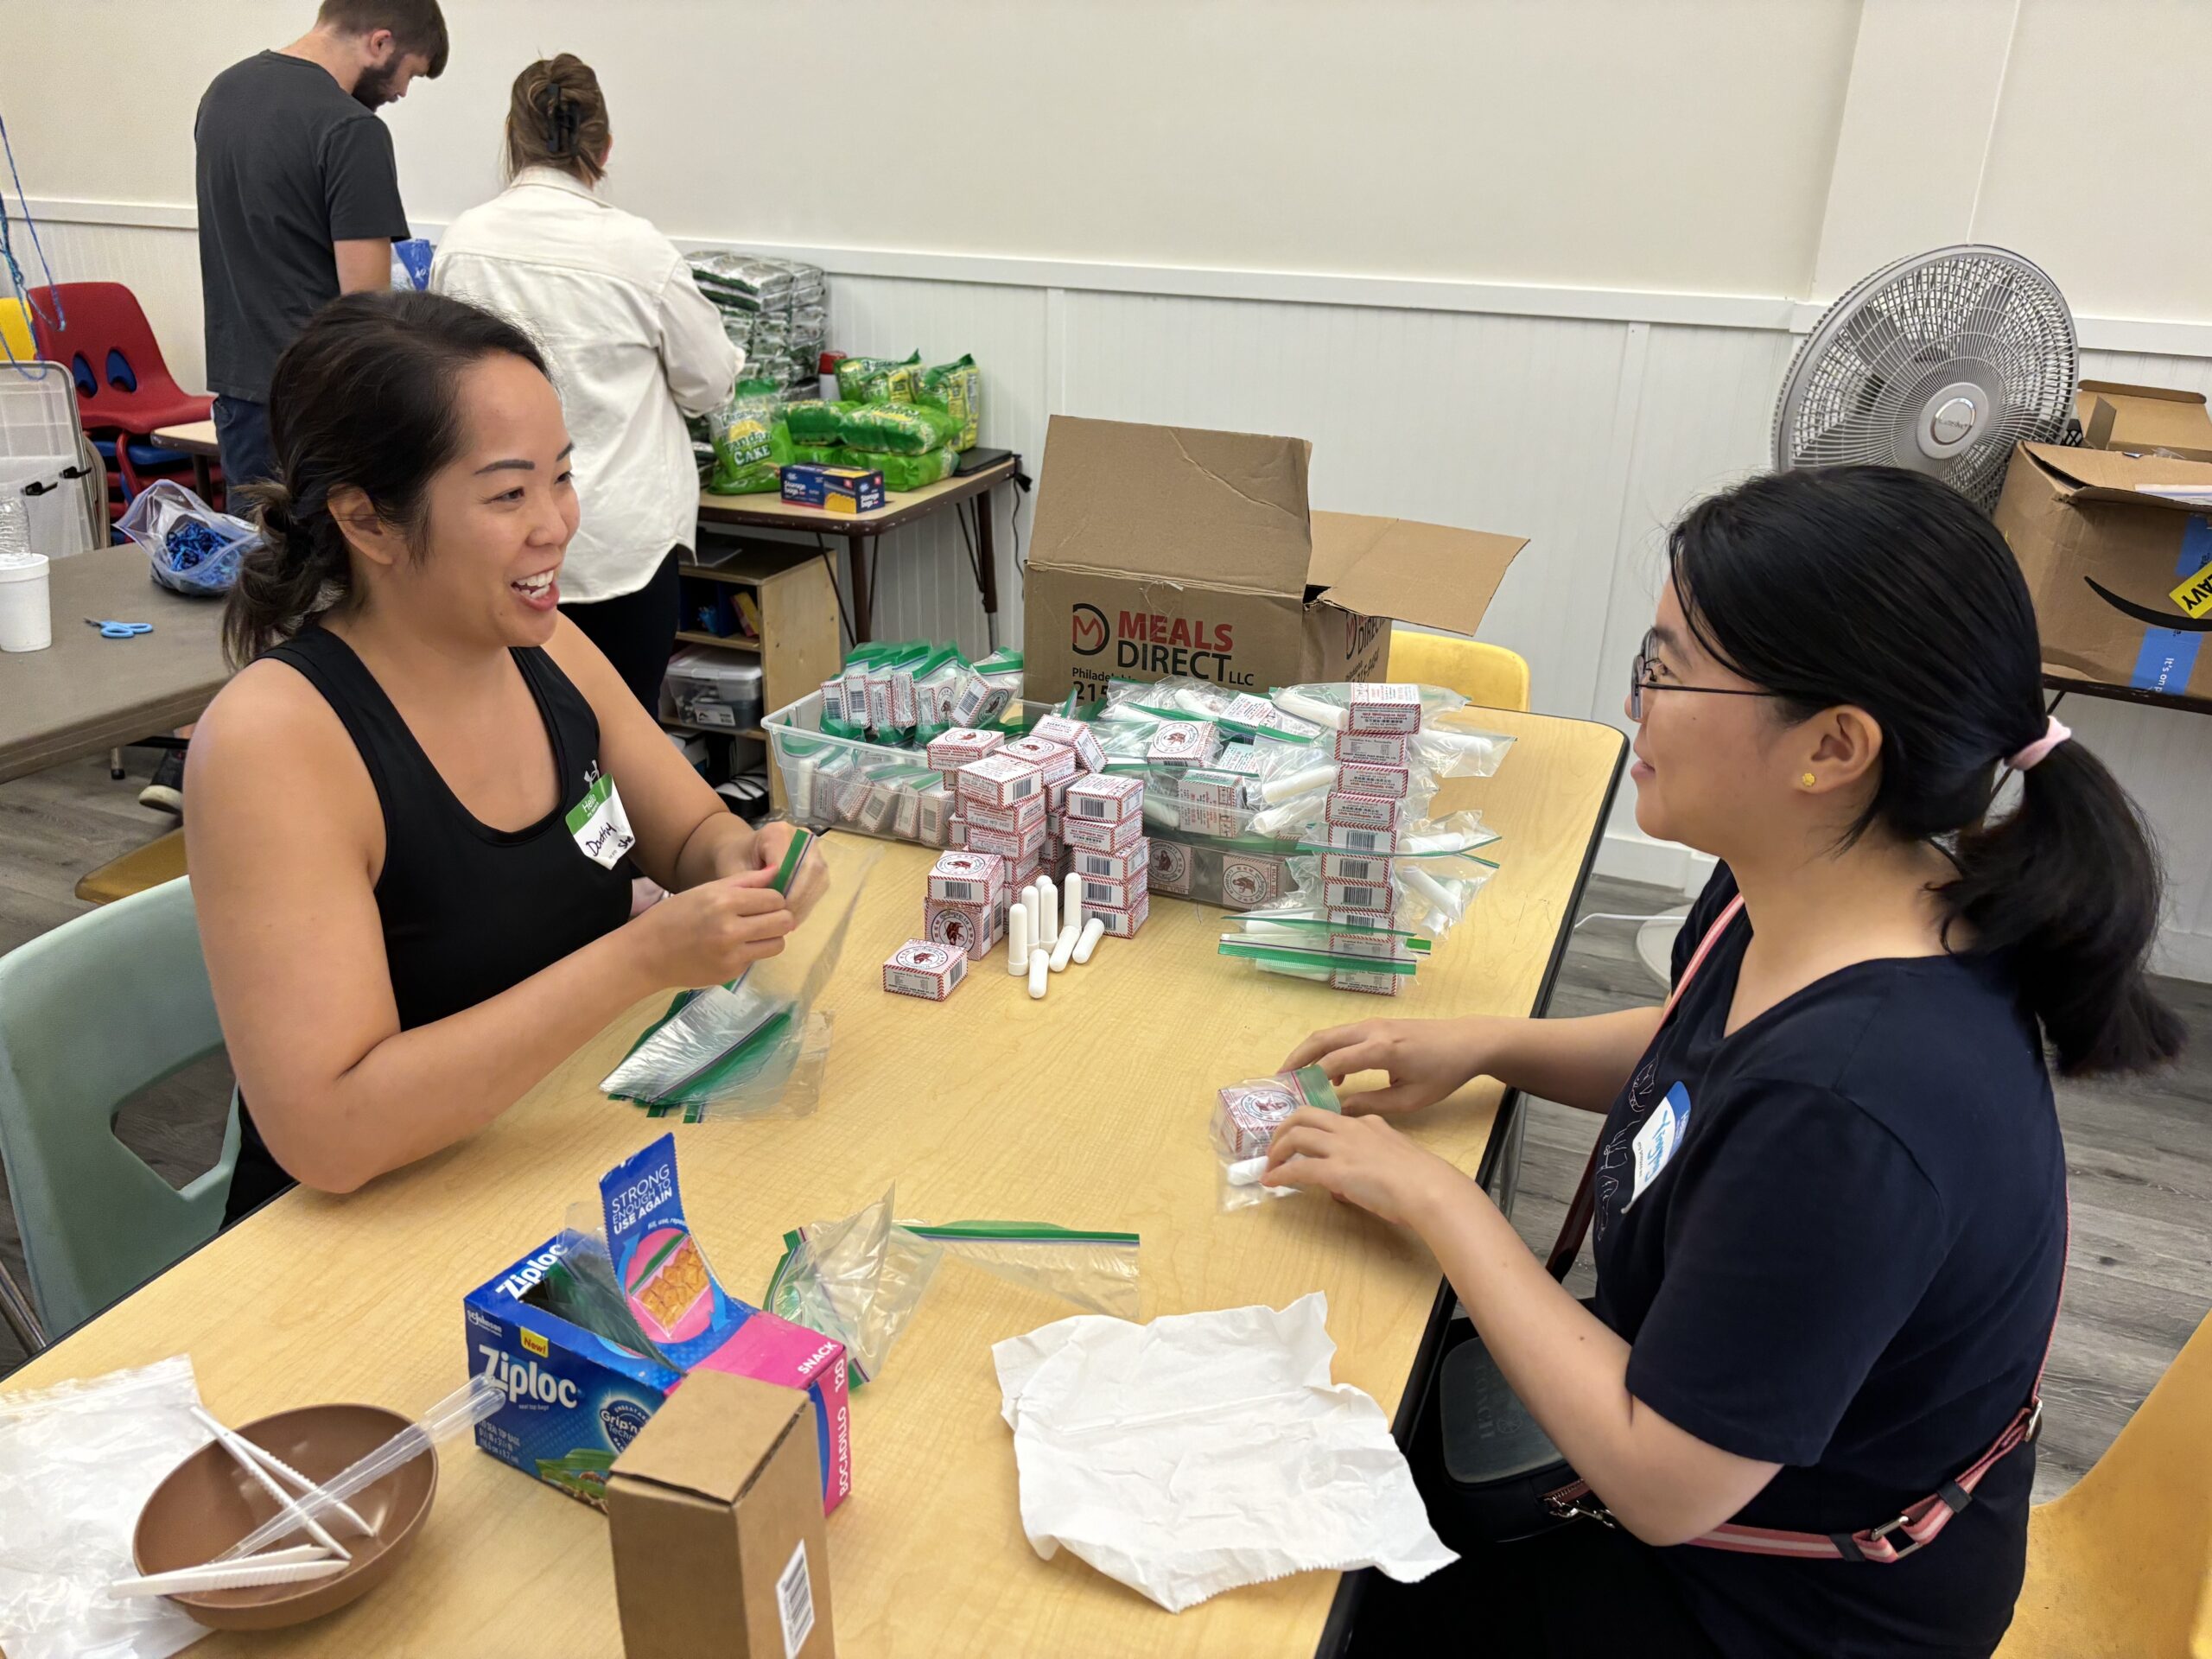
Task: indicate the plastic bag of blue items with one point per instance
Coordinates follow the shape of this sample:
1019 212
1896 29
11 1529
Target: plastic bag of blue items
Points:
193 549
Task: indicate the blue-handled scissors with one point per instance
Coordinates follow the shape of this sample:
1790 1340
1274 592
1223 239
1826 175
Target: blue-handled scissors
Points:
119 630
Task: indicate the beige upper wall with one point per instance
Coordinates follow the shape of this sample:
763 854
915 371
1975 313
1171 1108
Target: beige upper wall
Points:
2100 143
1734 146
1614 143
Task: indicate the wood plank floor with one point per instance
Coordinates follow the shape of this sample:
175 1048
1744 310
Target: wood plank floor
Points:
2141 1154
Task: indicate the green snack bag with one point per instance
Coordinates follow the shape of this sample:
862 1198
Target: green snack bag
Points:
827 455
904 471
880 379
746 443
957 389
898 428
813 422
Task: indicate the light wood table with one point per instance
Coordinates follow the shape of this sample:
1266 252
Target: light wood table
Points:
84 694
900 508
196 439
1089 1108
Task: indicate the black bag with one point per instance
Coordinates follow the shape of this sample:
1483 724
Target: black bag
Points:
1504 1478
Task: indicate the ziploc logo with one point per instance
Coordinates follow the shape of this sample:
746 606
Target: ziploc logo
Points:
518 1284
522 1380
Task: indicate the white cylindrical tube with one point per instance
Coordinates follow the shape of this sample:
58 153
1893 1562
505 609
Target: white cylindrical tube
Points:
1093 930
1063 949
1040 969
1297 702
1017 939
1035 906
240 1575
1048 907
1290 786
1071 904
1432 893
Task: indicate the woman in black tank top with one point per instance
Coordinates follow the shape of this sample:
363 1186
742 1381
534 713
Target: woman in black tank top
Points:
418 809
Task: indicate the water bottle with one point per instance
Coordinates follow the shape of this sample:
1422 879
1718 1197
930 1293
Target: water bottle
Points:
15 528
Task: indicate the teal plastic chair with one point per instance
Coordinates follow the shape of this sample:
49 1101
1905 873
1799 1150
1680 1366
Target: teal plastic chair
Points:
104 1006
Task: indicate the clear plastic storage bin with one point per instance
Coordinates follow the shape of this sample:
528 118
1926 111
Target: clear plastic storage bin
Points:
714 689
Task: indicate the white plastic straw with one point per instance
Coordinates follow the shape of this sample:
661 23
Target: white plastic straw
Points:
242 1575
284 1470
463 1410
299 1517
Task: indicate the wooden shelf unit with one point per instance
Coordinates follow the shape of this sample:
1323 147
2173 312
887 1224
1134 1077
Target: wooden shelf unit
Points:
798 645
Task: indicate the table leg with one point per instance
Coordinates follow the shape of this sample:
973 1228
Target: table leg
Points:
987 563
863 611
203 479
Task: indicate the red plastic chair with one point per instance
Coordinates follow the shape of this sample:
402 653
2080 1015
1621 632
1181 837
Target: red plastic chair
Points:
109 345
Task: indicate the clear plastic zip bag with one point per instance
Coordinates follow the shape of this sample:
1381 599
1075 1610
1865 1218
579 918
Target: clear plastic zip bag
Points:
755 1047
1246 1117
861 1278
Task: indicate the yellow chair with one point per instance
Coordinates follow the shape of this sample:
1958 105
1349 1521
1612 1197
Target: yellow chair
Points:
2121 1567
1489 675
16 332
160 859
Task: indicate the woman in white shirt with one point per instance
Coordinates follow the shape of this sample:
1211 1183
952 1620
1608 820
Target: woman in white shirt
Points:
633 347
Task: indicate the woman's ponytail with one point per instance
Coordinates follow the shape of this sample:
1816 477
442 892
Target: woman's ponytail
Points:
2067 884
299 571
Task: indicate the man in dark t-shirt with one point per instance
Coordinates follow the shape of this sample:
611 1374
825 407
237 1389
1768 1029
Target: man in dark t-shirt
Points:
299 198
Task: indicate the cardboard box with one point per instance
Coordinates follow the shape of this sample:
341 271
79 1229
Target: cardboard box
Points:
718 1541
2121 581
2142 419
1160 550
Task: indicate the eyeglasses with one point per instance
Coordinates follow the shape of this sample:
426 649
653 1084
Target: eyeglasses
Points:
1640 681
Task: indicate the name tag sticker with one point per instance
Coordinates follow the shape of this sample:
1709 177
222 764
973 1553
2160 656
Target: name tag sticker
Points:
599 824
1656 1142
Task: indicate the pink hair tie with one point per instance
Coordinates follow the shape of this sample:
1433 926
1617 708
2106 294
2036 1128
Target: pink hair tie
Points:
2054 734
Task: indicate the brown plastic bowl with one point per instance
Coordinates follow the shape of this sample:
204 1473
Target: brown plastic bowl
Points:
208 1503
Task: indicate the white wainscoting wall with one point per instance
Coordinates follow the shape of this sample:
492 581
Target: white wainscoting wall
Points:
1585 419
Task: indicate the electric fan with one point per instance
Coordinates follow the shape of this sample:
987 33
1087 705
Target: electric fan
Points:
1941 362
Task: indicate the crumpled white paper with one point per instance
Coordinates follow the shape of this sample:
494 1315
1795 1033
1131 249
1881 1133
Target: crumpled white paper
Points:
1205 1451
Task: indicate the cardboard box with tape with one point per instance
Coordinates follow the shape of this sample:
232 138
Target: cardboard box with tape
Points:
1161 550
2117 550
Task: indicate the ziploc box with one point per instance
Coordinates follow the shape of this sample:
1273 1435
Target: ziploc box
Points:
576 1400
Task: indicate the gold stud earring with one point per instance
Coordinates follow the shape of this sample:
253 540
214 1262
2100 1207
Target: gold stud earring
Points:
1806 780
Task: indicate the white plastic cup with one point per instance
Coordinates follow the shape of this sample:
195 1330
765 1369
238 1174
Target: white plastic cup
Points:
26 615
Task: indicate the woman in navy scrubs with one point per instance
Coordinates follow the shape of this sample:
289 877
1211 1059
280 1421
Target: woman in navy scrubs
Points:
1830 1217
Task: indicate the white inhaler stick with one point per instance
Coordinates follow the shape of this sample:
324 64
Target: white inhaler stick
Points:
1093 930
1048 905
1035 906
1071 904
1017 939
1063 949
1040 969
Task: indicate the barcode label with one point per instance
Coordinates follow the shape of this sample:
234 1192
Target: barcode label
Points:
964 893
1366 840
795 1602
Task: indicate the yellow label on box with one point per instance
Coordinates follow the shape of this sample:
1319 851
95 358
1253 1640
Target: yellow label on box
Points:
2195 595
535 1341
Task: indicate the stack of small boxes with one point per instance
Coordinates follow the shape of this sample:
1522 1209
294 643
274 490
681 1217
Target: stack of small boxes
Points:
1368 808
1214 784
1037 805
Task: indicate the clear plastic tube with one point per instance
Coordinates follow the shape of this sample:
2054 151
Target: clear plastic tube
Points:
457 1413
